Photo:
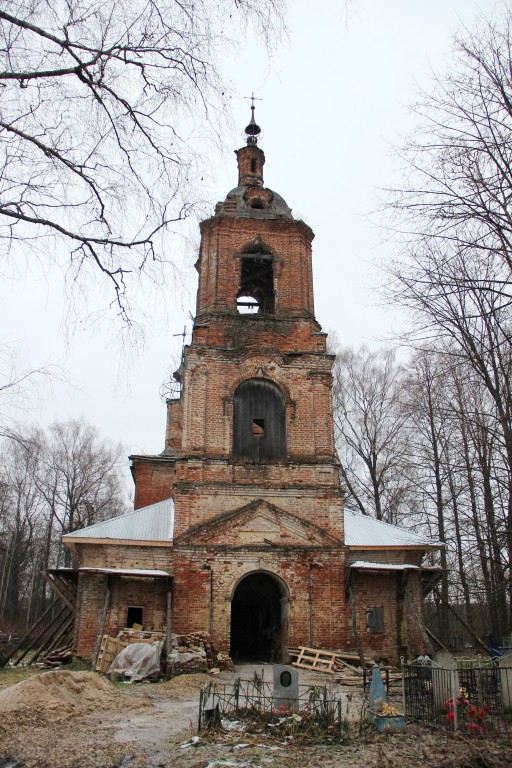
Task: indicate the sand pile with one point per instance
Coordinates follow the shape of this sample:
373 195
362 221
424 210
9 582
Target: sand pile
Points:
61 695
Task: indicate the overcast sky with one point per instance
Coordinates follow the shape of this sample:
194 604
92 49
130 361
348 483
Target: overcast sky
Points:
334 100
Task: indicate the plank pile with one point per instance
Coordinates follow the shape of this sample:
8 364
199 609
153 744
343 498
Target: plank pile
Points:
344 667
132 635
58 657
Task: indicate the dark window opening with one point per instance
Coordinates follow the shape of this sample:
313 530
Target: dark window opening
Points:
257 203
253 166
375 619
258 427
133 616
259 421
257 282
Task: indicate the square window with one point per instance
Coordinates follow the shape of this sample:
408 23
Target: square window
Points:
133 616
375 619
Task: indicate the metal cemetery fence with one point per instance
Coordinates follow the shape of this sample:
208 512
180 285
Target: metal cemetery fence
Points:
316 709
474 697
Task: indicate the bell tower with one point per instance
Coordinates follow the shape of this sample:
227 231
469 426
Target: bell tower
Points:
249 458
255 272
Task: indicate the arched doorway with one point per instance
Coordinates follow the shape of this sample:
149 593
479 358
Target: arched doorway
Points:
259 618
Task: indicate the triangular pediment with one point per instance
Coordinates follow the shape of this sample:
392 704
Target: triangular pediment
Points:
258 524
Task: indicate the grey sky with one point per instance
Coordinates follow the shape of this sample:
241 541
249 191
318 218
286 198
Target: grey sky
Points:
334 100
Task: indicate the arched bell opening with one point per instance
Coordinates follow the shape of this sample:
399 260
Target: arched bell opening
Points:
256 280
259 619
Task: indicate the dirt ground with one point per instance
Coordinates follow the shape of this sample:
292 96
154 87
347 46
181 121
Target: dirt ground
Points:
64 719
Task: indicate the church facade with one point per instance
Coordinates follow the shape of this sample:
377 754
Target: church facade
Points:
239 526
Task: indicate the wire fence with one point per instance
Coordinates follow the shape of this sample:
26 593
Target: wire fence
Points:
473 697
314 710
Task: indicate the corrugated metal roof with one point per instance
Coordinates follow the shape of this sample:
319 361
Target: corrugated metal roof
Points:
126 571
156 523
362 531
153 523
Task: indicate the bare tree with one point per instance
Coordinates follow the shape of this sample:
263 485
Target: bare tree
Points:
19 528
454 210
458 177
370 433
50 484
79 478
20 388
97 128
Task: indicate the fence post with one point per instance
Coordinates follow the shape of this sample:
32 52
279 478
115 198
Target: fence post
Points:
455 692
200 710
445 682
505 668
478 676
402 667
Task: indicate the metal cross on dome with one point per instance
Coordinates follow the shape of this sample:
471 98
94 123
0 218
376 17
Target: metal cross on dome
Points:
253 98
252 129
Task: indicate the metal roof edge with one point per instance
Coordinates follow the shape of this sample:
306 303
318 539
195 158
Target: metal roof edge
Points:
376 547
125 542
141 572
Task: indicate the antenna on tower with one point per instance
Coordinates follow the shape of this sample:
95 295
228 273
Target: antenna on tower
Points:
184 335
171 386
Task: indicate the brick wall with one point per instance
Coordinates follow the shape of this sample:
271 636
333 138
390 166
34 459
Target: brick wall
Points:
211 378
174 424
223 239
198 503
401 636
248 158
150 594
154 479
292 570
124 556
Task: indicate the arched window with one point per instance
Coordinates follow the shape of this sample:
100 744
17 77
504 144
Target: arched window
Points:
259 421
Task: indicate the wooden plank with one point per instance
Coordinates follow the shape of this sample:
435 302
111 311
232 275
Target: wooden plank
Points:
349 681
343 665
351 657
315 659
109 648
60 590
327 661
103 619
338 654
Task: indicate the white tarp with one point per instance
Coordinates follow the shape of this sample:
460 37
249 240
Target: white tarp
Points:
138 661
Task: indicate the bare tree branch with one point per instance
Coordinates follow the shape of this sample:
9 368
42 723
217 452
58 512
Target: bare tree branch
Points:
99 106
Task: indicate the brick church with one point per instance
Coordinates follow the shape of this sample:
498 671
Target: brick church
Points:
239 526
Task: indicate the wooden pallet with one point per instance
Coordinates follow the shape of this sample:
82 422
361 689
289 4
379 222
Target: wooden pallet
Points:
109 648
319 661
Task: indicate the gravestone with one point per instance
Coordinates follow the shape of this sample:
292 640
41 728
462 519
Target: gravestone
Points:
286 687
